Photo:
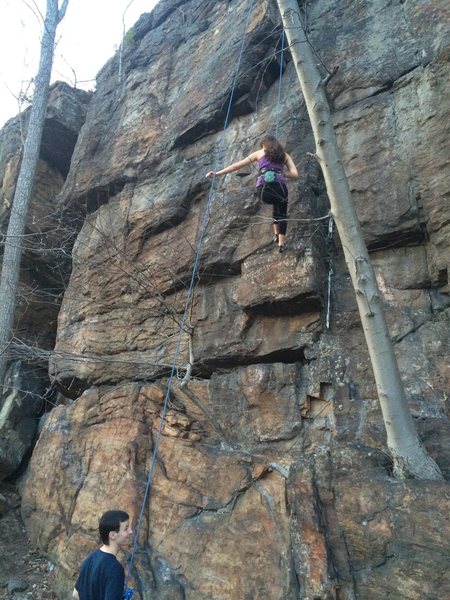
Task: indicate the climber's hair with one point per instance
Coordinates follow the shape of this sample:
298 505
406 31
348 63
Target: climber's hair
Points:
110 521
273 149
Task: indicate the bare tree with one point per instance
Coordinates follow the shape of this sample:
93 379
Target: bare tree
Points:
408 455
12 249
122 42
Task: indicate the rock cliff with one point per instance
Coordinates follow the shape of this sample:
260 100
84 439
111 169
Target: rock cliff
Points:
45 266
271 479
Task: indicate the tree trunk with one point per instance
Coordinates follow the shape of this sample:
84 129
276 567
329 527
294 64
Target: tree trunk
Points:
408 455
13 245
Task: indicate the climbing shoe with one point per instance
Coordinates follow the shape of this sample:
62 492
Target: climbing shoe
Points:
282 248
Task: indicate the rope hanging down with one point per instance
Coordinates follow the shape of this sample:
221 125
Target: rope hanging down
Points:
330 271
277 128
211 195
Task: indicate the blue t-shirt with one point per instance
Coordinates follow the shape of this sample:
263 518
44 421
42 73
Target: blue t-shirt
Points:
101 577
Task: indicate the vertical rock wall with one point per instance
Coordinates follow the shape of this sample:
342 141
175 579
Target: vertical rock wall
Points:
272 479
45 267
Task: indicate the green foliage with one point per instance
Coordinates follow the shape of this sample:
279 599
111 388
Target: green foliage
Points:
130 38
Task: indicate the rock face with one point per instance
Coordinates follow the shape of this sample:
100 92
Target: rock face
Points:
384 535
271 478
44 264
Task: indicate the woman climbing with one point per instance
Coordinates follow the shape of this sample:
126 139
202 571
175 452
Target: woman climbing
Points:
275 165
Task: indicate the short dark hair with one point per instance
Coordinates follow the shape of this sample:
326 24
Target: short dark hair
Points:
110 521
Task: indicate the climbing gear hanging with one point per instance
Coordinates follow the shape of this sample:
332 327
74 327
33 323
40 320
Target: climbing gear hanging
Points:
190 293
269 176
330 271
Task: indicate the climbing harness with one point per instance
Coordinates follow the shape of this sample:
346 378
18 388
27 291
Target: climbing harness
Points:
190 293
269 176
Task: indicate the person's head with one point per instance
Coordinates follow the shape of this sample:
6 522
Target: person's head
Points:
273 149
114 526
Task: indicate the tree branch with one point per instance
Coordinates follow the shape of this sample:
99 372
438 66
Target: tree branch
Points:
62 10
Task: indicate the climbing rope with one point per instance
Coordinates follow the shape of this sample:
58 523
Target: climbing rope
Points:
206 215
330 271
280 80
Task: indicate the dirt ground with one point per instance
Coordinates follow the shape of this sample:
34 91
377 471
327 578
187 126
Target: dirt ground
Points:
19 561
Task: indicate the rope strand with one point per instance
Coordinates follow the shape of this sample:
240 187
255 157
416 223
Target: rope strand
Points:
190 293
277 128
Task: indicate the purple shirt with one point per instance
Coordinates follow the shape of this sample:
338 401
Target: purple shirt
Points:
265 164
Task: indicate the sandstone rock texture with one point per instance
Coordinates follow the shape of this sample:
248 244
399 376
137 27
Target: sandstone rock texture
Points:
271 479
44 264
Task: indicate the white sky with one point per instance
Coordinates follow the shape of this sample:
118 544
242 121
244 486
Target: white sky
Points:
88 36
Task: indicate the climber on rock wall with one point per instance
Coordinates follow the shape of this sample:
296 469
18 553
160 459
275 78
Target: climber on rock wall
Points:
275 165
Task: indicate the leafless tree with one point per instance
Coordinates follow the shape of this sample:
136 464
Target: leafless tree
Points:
408 455
12 249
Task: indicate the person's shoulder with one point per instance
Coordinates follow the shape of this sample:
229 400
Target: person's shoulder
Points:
92 554
111 559
98 556
106 555
92 557
257 154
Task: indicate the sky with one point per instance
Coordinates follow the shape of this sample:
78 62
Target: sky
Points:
86 38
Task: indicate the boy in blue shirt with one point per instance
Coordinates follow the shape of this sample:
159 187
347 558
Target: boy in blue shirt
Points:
102 577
